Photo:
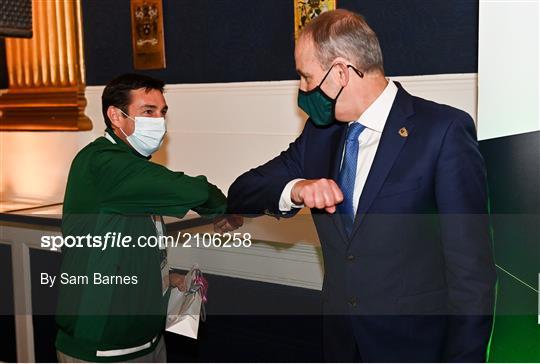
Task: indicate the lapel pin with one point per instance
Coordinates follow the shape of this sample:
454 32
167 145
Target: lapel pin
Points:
403 132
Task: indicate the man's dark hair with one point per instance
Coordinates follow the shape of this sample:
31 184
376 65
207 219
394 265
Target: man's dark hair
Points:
118 91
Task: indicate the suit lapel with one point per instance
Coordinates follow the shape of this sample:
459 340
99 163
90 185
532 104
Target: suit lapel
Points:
338 145
388 150
337 148
325 159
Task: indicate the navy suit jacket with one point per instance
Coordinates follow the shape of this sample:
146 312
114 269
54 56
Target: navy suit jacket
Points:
420 245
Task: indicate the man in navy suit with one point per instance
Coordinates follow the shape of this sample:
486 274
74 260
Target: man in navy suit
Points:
397 190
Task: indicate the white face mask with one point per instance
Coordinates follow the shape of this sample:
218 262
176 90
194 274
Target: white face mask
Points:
148 134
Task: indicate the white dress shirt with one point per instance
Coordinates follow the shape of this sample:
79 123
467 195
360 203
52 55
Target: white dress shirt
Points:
374 119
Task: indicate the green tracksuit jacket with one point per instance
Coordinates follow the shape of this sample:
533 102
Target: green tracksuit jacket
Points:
112 188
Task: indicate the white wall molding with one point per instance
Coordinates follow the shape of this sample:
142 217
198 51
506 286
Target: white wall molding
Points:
298 265
459 90
439 81
266 87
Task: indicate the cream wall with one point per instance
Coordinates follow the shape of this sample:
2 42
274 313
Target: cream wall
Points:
35 165
219 130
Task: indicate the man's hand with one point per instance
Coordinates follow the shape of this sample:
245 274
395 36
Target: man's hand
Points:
317 193
178 280
227 223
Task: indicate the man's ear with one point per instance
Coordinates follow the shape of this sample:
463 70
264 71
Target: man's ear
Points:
342 72
115 116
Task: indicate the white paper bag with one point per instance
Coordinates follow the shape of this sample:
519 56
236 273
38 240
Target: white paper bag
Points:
184 308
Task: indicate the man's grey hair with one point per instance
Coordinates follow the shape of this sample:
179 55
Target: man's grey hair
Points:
342 33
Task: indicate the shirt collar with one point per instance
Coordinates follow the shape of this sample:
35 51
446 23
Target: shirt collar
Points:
113 138
374 117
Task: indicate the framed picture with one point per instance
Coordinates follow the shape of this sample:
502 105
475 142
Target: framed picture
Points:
147 34
307 10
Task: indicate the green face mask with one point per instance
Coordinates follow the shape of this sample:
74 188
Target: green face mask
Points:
318 105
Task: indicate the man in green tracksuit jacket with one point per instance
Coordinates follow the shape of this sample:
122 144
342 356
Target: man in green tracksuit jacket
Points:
118 313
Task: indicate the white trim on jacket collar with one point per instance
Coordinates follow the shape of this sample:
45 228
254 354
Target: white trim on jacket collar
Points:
109 137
